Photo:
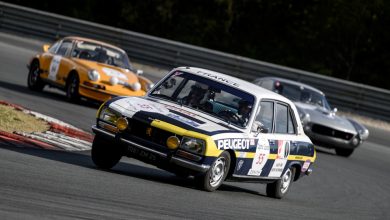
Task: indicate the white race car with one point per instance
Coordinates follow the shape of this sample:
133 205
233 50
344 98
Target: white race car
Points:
209 125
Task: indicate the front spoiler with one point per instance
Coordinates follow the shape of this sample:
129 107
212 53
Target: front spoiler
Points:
181 162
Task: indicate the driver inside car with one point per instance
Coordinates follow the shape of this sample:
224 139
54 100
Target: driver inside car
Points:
244 110
196 96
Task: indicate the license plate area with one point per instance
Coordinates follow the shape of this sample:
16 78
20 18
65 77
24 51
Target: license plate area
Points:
141 154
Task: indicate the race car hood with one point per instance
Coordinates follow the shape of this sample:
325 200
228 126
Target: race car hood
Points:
183 117
108 71
322 116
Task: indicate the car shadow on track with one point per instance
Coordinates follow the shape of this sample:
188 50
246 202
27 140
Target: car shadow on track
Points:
83 159
53 94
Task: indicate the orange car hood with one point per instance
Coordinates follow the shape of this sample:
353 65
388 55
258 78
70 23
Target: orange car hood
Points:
108 71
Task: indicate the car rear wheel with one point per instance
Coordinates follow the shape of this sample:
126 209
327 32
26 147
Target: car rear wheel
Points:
104 154
34 81
72 88
279 188
214 177
344 152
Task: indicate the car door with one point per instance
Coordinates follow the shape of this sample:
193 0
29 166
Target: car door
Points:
277 134
46 58
60 64
284 138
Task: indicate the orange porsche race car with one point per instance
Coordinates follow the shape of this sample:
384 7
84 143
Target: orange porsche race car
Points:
86 68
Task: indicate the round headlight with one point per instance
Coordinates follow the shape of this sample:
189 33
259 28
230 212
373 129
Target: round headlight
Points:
173 142
93 75
122 124
114 80
136 86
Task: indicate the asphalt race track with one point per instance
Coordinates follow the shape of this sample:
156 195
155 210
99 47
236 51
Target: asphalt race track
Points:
41 184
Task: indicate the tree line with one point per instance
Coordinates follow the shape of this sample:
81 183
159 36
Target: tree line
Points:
339 38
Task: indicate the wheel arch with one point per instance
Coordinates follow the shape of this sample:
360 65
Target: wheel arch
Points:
297 166
232 165
73 72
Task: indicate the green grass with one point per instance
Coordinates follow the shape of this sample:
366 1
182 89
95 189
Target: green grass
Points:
14 120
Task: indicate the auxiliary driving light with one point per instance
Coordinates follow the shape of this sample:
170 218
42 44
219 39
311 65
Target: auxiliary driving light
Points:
173 142
122 124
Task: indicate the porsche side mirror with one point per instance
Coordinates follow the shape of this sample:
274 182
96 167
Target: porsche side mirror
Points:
140 72
45 47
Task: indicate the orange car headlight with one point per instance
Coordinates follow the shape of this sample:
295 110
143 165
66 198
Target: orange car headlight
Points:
93 75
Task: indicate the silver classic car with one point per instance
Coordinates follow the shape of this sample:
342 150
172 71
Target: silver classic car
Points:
320 122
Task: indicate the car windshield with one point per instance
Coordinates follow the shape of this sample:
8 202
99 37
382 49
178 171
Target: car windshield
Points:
301 94
206 95
101 54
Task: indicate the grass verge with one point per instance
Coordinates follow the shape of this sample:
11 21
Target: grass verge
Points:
14 120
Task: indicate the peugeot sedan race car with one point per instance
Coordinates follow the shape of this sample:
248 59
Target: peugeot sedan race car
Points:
209 125
88 68
320 122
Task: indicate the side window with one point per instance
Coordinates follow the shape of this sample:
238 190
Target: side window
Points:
266 115
65 46
291 126
268 84
54 47
281 120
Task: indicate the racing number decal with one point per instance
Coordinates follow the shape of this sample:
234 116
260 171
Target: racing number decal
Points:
260 158
281 158
54 66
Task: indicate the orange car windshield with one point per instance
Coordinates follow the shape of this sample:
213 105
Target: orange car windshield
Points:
101 54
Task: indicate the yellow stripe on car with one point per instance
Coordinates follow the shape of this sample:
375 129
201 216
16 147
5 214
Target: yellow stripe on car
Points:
211 148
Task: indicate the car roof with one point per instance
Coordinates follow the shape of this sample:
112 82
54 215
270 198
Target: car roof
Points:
291 82
243 85
93 41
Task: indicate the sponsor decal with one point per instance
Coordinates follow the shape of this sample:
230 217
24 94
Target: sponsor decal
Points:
180 110
183 119
142 105
281 158
260 158
253 172
114 73
235 143
283 149
219 78
239 165
54 66
305 166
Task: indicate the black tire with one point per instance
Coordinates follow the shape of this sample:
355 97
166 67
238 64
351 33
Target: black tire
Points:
280 188
344 152
72 88
34 81
214 177
103 154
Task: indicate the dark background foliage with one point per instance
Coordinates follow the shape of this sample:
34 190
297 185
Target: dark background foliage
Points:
339 38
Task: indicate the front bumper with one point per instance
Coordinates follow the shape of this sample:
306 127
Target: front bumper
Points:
170 159
331 142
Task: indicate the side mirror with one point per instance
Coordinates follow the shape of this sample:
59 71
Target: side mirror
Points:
45 47
140 72
258 127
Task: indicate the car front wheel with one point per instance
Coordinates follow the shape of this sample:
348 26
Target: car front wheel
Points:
214 177
72 88
279 188
34 81
104 154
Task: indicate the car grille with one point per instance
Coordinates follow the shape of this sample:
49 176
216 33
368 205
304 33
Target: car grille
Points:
147 133
323 130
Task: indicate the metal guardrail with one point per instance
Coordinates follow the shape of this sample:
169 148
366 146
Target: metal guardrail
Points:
347 96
